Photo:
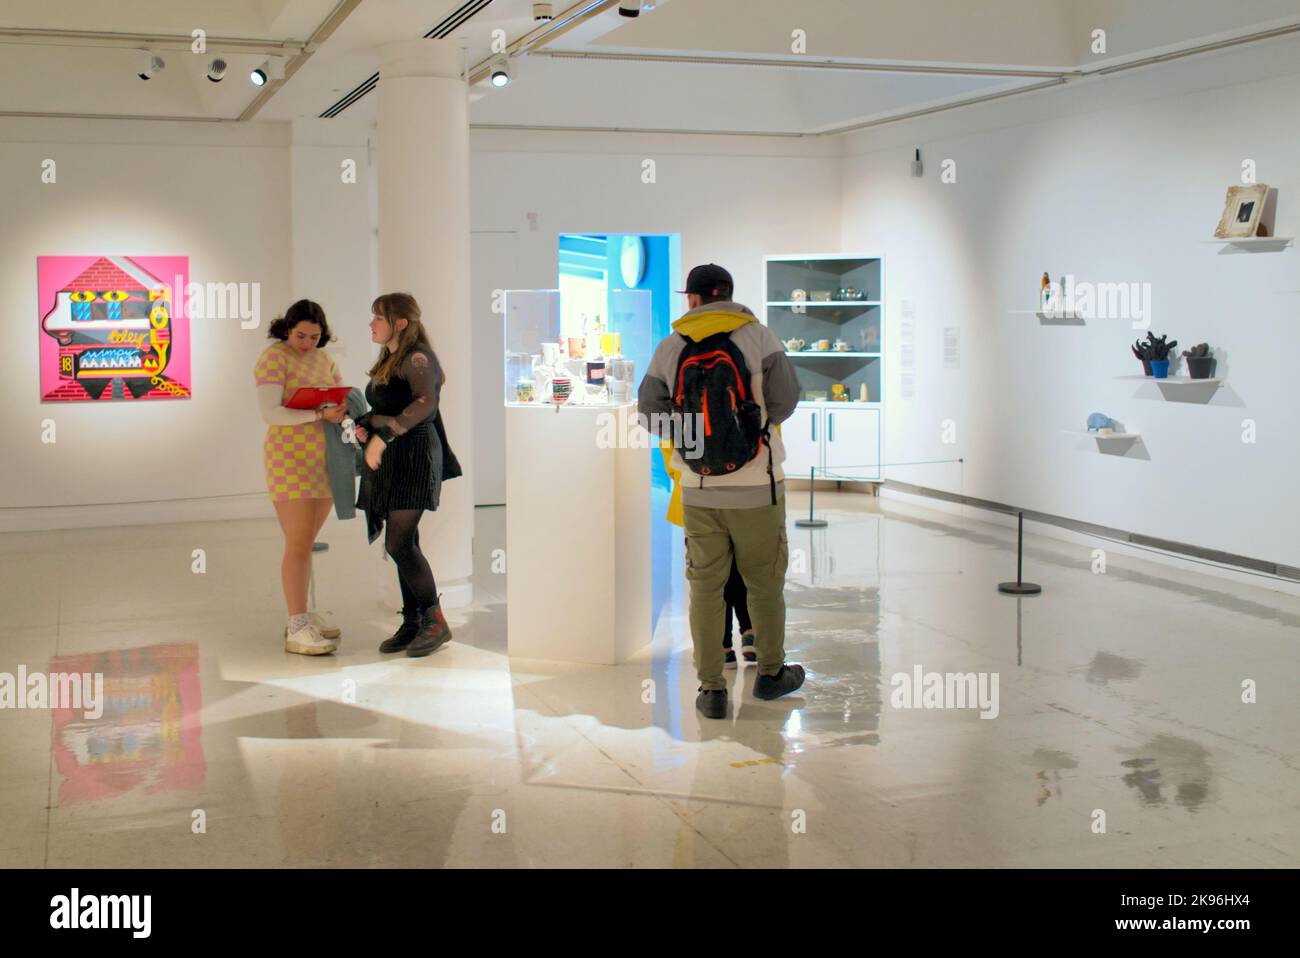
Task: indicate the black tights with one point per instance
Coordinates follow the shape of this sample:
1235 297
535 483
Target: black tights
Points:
737 599
402 543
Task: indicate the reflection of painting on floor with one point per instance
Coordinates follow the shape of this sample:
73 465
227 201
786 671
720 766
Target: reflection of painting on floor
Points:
148 737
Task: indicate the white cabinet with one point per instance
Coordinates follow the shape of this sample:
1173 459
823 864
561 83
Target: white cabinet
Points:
839 440
852 446
801 435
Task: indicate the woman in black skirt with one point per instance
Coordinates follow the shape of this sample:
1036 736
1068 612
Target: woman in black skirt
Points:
407 459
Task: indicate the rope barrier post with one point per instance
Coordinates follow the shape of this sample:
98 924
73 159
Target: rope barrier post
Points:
810 522
1020 587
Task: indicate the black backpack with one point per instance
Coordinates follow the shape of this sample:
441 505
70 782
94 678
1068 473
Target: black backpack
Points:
713 384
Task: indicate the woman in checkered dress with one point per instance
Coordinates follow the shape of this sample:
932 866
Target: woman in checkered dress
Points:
294 456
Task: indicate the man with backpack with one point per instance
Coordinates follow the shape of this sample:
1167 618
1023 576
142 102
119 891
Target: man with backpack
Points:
717 388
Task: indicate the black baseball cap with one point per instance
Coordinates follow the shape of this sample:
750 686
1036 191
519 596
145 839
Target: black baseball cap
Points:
709 280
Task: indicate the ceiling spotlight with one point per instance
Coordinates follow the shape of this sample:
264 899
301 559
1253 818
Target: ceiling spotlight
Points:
543 12
629 8
152 65
271 69
216 69
500 75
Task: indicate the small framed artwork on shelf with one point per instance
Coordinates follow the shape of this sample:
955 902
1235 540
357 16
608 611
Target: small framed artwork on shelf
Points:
1243 210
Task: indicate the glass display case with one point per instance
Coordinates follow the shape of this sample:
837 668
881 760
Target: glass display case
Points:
551 362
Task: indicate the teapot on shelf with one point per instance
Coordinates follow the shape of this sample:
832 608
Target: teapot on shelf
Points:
795 345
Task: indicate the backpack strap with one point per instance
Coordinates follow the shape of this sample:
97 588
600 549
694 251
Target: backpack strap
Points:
771 474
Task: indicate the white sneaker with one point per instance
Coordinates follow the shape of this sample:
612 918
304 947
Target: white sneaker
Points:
324 626
307 641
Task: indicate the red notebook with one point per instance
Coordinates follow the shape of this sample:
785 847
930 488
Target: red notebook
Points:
313 397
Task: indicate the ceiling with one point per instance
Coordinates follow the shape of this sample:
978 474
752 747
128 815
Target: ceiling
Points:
865 60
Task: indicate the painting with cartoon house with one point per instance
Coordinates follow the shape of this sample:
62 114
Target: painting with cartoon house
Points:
113 328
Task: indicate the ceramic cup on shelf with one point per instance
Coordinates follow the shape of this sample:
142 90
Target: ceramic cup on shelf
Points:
839 392
577 347
525 390
822 345
841 346
561 388
550 354
798 295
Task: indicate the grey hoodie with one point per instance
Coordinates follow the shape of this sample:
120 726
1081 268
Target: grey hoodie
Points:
775 386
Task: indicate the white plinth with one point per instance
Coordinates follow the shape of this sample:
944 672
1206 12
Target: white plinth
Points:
577 537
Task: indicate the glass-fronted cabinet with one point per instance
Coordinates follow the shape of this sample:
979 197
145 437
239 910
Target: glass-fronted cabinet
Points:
548 362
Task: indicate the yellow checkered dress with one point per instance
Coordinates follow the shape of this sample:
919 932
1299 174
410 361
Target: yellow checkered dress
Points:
295 455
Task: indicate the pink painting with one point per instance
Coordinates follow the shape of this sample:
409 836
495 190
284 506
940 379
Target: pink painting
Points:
113 328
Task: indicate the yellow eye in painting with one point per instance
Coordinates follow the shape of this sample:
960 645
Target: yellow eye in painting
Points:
83 296
114 296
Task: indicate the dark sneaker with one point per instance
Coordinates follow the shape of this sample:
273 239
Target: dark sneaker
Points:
747 647
434 633
783 683
730 661
712 703
404 634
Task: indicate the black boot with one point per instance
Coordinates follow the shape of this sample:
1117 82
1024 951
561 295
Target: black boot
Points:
404 634
434 633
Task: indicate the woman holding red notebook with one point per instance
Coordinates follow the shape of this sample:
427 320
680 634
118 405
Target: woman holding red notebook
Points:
294 455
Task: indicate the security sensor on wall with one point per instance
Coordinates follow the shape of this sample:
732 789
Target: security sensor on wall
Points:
543 12
271 69
152 65
500 75
216 69
916 163
629 8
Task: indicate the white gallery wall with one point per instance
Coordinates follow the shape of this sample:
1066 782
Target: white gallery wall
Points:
1112 181
217 193
733 198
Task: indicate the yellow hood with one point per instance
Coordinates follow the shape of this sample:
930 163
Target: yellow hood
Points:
704 321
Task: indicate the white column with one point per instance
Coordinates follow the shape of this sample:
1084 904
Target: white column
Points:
424 248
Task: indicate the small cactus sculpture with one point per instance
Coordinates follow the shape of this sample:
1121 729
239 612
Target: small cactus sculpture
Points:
1153 349
1200 362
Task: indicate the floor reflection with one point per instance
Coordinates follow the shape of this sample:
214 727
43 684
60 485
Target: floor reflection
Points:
148 738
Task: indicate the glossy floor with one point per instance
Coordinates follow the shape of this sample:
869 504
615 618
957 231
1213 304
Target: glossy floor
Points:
1119 704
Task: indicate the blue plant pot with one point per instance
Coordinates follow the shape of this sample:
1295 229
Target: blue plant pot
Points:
1160 368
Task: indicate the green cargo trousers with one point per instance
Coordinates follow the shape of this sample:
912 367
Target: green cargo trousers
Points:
757 539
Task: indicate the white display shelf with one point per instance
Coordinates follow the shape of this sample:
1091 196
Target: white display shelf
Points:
1063 318
1254 244
837 302
1118 436
830 352
1171 380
